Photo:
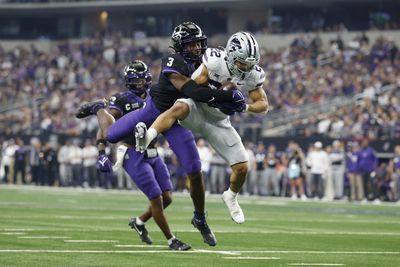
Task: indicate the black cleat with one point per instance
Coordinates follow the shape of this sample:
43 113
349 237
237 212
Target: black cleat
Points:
90 108
208 235
141 230
179 245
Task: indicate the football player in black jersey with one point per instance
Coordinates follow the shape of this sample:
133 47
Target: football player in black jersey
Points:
147 169
189 44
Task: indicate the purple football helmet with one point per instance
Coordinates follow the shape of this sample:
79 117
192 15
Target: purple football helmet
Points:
137 77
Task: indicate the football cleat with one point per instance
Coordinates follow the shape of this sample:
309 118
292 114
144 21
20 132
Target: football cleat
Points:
233 206
90 108
140 135
208 235
141 230
179 245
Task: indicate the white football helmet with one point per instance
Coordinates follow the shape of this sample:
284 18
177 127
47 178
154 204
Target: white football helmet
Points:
242 53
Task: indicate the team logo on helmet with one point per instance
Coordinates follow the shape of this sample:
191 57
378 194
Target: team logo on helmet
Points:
187 33
234 45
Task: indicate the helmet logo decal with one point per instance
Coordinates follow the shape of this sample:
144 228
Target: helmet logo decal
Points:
235 45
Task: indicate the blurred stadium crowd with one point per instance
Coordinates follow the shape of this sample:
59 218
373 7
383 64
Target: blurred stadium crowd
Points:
323 173
72 73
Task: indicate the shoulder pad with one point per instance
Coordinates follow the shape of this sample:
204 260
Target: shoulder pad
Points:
173 63
257 76
255 79
213 58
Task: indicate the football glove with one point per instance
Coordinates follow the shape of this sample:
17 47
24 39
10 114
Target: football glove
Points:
227 108
104 164
238 101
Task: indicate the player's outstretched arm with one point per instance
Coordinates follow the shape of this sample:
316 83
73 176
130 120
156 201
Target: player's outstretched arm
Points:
105 119
259 101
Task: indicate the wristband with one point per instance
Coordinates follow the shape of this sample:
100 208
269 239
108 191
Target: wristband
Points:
101 141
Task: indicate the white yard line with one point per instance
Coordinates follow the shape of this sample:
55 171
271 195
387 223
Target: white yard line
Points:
251 258
17 229
90 241
299 232
248 231
140 246
12 233
315 264
43 237
226 252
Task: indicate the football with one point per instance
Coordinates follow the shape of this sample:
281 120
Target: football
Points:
227 86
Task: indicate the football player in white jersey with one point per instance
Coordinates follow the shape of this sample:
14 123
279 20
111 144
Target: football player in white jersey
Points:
237 63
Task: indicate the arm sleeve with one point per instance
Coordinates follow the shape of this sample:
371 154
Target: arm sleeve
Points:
205 94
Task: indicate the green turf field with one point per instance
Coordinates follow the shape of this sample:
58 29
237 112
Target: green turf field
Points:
74 227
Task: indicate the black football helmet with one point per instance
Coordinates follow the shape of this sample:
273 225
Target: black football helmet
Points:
137 77
186 33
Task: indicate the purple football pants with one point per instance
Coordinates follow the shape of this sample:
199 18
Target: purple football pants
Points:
180 139
150 175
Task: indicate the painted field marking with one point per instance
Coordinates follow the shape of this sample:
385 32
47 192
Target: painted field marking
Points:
12 233
305 232
298 232
238 252
16 229
320 252
43 237
74 217
315 264
251 258
91 241
140 246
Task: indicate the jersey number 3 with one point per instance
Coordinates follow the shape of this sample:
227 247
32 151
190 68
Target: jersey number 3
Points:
170 61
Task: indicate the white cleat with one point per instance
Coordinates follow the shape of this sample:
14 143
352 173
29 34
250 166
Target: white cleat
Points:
140 136
233 207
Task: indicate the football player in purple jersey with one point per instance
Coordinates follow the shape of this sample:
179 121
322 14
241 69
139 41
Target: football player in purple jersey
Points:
147 170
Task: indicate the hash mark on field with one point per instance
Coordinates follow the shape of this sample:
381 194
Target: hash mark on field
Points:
251 258
44 237
91 241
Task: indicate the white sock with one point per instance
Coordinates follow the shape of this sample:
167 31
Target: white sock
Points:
234 194
150 135
139 221
170 240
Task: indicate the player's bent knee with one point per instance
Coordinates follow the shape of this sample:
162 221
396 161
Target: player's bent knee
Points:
167 199
156 202
180 110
